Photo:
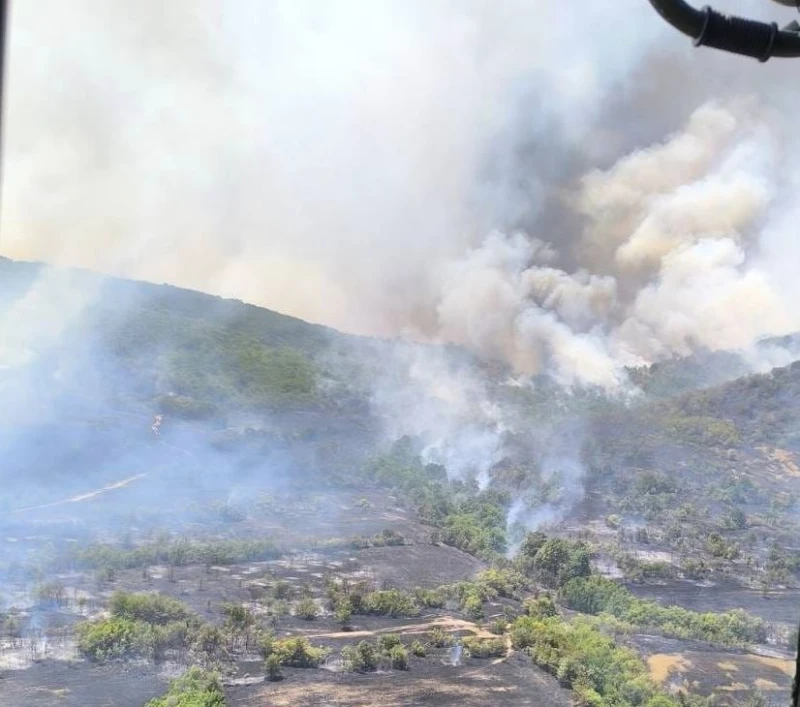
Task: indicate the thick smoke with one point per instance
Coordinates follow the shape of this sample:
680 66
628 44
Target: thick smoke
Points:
667 262
345 164
523 179
328 161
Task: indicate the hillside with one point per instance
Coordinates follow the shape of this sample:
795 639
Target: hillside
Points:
384 500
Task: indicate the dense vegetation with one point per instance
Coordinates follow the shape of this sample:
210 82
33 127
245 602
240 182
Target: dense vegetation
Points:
195 688
598 595
140 625
587 661
178 553
467 519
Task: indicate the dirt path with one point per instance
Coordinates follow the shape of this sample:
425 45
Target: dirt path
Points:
446 623
83 496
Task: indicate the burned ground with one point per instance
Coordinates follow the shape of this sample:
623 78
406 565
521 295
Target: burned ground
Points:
514 682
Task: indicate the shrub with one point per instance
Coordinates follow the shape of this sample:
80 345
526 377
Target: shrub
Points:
542 607
589 662
237 616
273 667
417 649
343 613
151 608
557 561
306 609
440 638
504 583
390 602
297 652
108 639
473 607
195 688
50 593
266 644
388 641
499 626
361 658
430 598
399 657
485 648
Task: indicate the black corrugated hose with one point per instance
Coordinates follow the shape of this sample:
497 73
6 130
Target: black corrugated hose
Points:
709 28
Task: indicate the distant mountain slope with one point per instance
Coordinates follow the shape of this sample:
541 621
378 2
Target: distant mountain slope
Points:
87 361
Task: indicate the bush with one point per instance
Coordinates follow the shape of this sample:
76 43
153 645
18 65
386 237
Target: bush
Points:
237 616
440 638
273 667
558 561
306 609
499 626
391 602
297 652
388 641
399 657
716 546
150 608
418 650
473 607
361 658
108 639
431 598
485 648
542 607
115 638
181 552
50 593
504 583
195 688
343 613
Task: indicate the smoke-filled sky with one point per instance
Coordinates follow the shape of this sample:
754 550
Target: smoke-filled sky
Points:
569 187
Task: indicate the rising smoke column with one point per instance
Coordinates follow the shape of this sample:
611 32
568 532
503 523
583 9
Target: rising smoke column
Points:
516 178
667 262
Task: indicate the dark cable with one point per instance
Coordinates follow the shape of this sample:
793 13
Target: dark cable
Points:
732 34
736 34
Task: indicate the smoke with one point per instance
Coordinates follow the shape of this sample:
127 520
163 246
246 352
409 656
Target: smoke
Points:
323 161
526 180
345 164
444 402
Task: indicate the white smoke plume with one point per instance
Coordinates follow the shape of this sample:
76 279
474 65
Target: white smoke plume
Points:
526 179
667 262
321 159
330 161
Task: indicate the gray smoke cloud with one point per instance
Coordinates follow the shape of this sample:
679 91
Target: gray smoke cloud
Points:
566 190
321 159
344 162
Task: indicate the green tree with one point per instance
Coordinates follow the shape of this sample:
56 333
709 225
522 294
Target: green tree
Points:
343 613
273 667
